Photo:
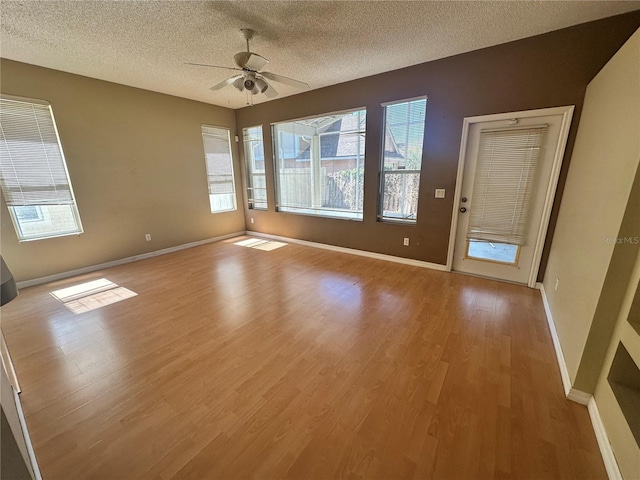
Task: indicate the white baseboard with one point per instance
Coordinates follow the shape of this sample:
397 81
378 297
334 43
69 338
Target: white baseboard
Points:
122 261
564 371
353 251
609 459
579 396
35 469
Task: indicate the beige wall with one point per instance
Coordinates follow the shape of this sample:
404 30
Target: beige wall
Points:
603 166
598 274
136 163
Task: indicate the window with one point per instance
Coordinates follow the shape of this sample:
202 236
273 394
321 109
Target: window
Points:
254 160
217 153
402 159
33 172
320 164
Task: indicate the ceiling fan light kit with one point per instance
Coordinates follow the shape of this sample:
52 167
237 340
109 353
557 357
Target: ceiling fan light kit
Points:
252 80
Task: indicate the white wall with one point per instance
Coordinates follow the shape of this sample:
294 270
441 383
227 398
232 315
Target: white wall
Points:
601 173
598 277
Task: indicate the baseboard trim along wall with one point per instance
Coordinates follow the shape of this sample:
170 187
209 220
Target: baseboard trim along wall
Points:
609 459
27 438
581 397
122 261
352 251
564 371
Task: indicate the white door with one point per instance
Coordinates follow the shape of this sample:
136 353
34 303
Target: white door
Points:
512 161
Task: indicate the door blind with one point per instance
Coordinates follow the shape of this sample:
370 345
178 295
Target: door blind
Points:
504 184
217 148
32 166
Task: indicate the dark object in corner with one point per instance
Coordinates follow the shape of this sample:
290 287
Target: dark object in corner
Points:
9 289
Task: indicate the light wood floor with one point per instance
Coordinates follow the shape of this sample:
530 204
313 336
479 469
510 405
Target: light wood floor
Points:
295 363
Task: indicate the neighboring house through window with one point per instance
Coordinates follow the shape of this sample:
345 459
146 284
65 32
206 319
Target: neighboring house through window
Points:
320 164
33 172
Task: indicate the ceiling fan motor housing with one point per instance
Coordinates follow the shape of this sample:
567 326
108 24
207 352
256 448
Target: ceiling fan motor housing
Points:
249 83
255 85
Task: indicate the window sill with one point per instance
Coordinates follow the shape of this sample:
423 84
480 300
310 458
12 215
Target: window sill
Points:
399 221
224 211
58 235
322 213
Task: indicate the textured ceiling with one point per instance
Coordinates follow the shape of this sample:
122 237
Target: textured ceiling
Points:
145 44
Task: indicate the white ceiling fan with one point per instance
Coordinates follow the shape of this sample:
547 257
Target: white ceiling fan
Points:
252 80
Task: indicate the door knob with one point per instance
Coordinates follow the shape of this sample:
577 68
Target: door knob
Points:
463 209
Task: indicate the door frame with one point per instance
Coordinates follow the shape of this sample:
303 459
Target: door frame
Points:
567 115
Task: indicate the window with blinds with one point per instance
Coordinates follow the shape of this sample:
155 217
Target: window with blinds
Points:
402 159
504 184
217 153
254 161
320 164
33 172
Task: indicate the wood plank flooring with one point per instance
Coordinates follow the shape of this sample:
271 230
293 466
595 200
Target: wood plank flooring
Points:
296 363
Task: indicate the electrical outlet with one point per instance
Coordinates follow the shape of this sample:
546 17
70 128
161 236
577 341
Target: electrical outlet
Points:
556 287
406 241
252 221
147 237
440 192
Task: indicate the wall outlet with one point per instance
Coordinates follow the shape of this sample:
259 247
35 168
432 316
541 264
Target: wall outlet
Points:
555 289
252 220
440 192
147 237
406 241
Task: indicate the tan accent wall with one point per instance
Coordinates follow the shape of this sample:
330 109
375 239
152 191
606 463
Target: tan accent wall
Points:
543 71
136 162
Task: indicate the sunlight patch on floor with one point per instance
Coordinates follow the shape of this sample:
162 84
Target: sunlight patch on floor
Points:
91 295
260 244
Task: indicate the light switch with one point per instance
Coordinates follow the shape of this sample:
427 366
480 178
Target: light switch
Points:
440 192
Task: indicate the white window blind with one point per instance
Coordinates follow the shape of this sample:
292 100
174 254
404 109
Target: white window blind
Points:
402 159
504 184
217 150
33 173
254 161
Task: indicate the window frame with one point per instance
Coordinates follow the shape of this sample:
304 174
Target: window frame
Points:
381 168
332 213
73 206
249 165
234 193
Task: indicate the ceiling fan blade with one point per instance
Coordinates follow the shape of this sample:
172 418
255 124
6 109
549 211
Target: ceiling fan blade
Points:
270 92
285 80
212 66
250 60
226 82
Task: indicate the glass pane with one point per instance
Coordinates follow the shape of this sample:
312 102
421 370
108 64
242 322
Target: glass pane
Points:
400 199
320 165
254 161
494 252
222 202
404 133
41 221
219 164
257 191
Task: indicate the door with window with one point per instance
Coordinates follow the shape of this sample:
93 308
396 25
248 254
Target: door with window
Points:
509 177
